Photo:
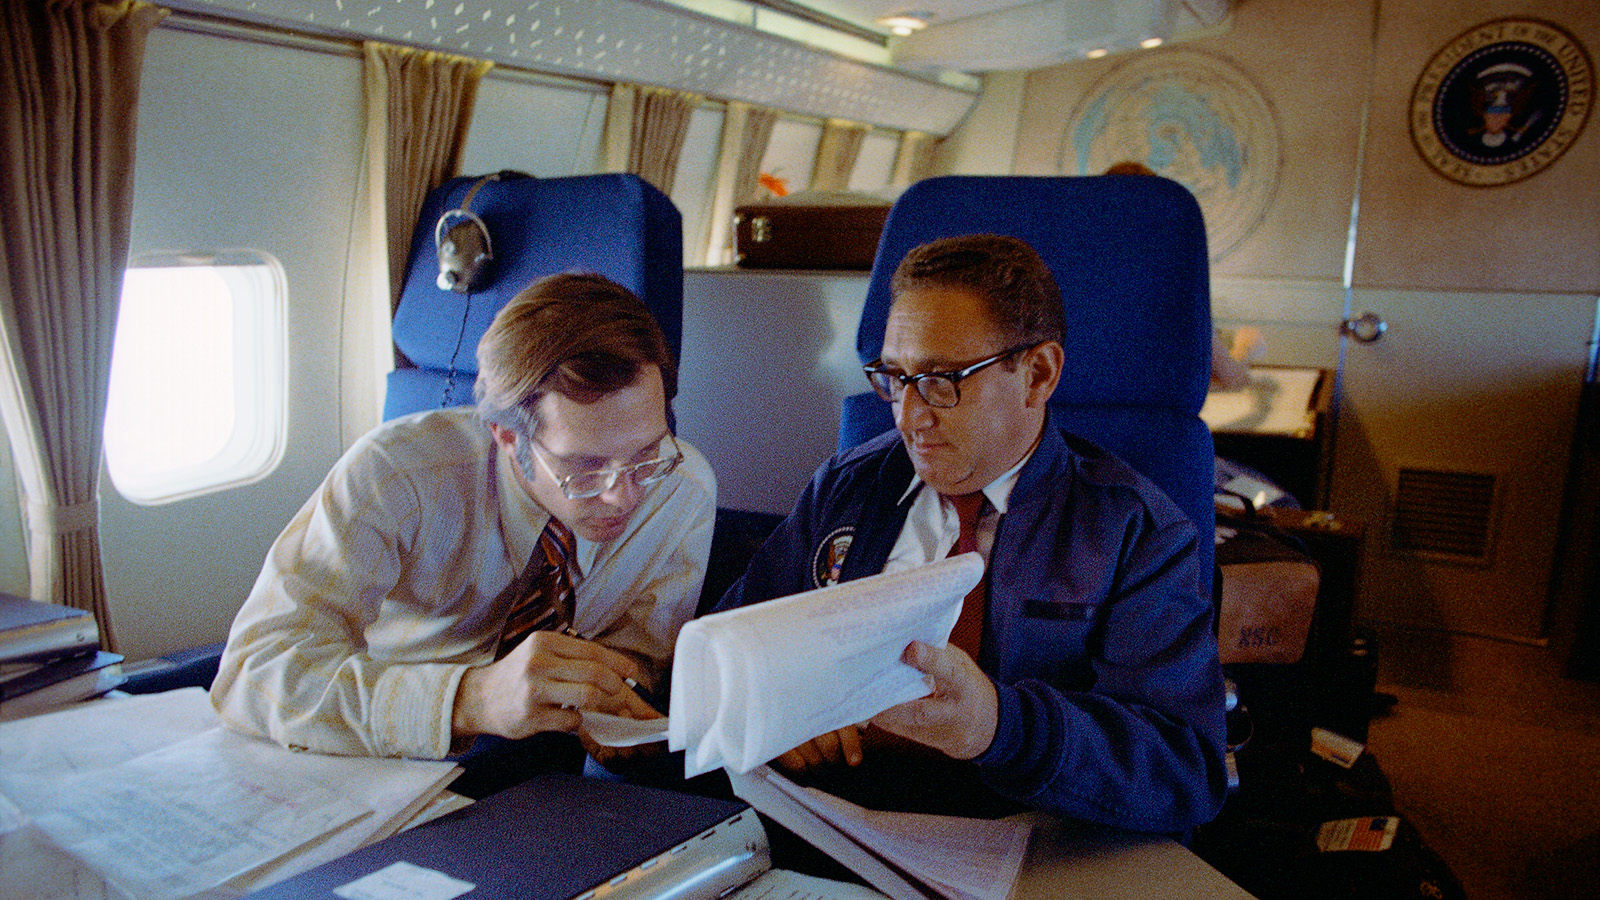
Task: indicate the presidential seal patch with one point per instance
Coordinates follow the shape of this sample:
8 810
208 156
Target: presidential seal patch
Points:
1501 101
829 558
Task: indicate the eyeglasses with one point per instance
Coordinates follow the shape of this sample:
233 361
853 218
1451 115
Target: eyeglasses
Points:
938 389
592 484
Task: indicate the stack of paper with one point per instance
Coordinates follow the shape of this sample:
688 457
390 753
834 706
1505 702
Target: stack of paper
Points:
150 797
750 684
908 856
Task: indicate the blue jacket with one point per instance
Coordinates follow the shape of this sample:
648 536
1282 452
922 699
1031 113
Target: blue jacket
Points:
1099 632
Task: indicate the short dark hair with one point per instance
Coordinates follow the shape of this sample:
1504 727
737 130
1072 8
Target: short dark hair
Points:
1007 273
581 335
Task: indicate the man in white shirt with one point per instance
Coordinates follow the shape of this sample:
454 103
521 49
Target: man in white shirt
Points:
378 625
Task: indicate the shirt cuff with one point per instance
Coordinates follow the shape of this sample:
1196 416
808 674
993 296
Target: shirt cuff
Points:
412 708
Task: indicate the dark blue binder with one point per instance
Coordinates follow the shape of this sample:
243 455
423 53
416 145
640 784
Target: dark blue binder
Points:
558 837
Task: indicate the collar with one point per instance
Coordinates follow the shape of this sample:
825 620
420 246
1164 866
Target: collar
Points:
998 491
522 518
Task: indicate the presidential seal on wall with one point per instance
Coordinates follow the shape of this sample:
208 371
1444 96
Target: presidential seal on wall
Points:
1501 102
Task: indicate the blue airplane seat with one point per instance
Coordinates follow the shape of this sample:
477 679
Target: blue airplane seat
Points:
1129 254
616 225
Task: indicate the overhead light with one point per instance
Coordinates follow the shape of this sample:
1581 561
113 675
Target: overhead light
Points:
1150 43
1097 53
904 23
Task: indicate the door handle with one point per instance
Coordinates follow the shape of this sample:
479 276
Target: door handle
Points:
1365 328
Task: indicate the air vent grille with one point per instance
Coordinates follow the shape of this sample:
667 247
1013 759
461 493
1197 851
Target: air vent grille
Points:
1448 514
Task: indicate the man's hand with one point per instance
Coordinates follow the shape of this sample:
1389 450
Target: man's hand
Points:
842 746
960 716
542 684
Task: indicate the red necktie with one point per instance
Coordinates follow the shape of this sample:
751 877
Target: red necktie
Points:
968 633
544 589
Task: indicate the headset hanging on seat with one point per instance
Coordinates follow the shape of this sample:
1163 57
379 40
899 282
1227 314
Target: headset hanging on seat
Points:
463 243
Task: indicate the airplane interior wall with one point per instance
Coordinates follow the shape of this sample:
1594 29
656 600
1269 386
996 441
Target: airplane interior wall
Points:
241 144
1489 292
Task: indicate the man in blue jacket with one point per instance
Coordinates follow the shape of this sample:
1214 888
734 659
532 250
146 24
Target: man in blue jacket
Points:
1083 678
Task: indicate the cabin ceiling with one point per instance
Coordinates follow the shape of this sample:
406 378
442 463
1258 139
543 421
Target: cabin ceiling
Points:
725 49
993 35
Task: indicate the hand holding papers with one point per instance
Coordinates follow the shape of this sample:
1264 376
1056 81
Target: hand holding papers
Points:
750 684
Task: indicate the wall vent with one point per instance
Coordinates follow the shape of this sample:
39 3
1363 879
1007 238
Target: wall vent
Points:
1444 514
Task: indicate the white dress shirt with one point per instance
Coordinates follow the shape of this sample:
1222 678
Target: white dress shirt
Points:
384 588
932 525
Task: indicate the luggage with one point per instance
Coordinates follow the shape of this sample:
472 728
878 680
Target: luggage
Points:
808 236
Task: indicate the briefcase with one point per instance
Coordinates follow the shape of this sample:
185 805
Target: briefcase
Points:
805 236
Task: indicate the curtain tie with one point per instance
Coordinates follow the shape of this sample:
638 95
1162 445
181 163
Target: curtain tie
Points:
47 518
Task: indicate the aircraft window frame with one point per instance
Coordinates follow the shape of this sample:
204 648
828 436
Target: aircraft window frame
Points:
206 335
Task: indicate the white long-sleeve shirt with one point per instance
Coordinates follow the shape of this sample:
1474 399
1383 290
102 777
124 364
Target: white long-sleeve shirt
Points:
383 589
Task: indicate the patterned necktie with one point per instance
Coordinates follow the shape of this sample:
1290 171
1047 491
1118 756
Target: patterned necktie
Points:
968 633
543 590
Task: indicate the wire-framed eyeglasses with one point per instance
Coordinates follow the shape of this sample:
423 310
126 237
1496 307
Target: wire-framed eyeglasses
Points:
584 485
938 389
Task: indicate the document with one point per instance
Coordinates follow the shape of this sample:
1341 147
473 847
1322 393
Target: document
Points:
149 797
909 856
753 683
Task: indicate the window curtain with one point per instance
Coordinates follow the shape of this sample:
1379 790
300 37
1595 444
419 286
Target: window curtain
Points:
837 152
746 132
419 107
913 160
651 124
69 92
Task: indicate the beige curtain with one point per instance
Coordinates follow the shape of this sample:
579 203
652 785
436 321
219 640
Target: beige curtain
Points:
651 123
69 91
419 107
746 131
913 160
837 152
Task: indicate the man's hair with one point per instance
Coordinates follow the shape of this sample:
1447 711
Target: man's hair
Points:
581 335
1021 294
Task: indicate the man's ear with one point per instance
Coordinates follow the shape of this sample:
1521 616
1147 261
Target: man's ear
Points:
505 437
1043 365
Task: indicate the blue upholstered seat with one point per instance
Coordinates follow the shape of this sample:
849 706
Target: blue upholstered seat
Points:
1129 253
616 225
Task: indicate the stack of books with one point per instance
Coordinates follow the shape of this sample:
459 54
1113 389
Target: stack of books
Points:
50 656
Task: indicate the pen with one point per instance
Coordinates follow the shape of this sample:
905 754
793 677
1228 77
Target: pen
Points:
645 695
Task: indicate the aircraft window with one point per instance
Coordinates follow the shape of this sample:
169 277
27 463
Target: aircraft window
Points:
198 375
792 152
875 166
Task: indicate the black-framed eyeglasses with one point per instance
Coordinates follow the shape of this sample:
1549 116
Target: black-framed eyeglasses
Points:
938 389
594 483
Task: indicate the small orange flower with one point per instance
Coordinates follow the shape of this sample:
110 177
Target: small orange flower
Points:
778 186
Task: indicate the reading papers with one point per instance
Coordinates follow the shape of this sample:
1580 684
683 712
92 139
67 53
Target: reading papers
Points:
909 856
750 684
154 799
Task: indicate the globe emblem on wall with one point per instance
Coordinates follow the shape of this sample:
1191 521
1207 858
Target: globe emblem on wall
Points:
1190 116
1501 102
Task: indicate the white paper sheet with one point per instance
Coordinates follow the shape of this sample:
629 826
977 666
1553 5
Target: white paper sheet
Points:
620 731
1275 401
752 683
135 787
908 856
974 859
